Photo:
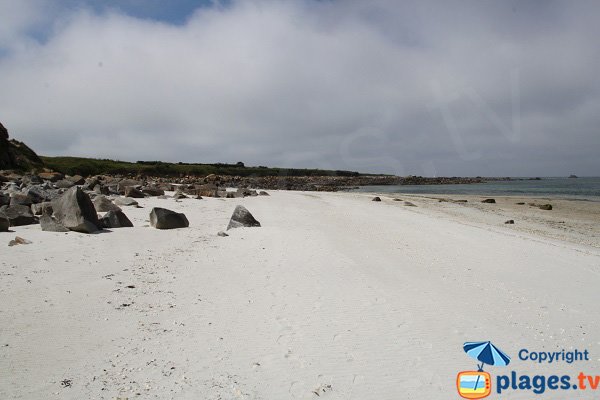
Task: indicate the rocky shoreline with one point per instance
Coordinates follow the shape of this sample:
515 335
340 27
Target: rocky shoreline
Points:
40 198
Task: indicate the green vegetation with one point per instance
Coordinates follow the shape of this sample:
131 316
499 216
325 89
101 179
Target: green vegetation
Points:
93 166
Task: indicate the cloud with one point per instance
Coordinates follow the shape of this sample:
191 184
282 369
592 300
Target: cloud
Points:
459 88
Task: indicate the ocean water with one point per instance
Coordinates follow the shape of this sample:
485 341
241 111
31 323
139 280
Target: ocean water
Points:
587 188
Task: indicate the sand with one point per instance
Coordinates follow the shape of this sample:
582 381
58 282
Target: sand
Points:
334 297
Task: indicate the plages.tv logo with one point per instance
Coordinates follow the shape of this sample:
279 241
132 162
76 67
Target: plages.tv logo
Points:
478 384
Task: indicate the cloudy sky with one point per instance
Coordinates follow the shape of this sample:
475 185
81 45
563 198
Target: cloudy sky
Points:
496 88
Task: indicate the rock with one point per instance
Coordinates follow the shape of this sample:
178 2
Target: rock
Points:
206 190
545 207
74 210
42 208
102 204
19 198
19 215
130 191
211 178
409 204
49 224
241 217
263 193
90 184
244 192
222 234
4 223
64 184
39 194
520 203
125 201
51 176
101 189
123 184
115 219
161 218
376 199
19 240
152 191
492 201
179 195
459 201
4 199
510 221
76 179
397 199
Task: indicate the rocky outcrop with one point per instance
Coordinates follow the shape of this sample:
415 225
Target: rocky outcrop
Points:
16 155
75 211
241 217
161 218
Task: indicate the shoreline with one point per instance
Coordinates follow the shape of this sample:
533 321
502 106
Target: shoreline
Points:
575 221
334 294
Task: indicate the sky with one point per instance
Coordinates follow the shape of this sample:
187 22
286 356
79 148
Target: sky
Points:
433 88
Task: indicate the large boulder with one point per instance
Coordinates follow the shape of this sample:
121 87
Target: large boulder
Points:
161 218
115 219
18 215
241 217
102 204
75 211
49 224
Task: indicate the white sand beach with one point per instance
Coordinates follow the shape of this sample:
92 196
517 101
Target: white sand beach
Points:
334 297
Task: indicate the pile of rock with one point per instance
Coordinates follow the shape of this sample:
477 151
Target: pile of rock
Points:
58 203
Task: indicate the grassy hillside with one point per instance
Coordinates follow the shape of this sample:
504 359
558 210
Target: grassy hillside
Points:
93 166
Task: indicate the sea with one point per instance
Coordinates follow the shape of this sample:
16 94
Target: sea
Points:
582 188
